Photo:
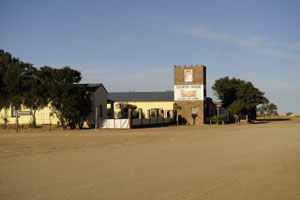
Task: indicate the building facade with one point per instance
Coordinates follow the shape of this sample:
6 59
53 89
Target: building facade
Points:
190 93
43 116
46 115
145 102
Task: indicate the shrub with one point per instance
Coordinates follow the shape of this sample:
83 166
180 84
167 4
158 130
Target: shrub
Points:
4 125
217 119
289 113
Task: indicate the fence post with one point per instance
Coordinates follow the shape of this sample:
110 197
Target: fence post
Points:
149 116
163 116
96 113
141 115
130 117
155 114
17 120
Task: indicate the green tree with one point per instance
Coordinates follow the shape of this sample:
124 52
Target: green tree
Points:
272 109
239 96
262 110
36 95
17 81
69 100
21 83
237 107
267 108
6 63
75 104
226 89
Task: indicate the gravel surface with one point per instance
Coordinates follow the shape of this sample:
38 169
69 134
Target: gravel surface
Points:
252 161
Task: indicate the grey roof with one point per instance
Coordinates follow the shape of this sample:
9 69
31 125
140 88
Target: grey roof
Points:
92 87
141 96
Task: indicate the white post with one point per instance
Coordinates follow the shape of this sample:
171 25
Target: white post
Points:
96 124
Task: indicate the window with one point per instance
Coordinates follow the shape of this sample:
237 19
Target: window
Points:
100 111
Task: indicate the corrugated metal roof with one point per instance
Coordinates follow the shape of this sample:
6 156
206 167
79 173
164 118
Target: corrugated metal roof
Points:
141 96
92 87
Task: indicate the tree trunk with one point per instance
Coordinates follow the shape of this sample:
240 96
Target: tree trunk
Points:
78 122
34 118
62 123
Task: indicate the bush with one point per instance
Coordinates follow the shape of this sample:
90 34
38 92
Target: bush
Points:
217 119
289 113
31 125
4 125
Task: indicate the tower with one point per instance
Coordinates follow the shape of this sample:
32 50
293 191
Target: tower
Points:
190 93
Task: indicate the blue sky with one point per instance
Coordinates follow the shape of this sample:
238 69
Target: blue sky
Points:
133 45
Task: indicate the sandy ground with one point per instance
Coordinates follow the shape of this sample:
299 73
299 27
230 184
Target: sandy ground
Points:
257 161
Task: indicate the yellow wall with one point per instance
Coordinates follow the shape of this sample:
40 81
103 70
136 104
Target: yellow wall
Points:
99 97
42 116
144 105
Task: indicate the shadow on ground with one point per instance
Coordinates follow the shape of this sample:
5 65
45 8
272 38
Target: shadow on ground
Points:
272 120
264 121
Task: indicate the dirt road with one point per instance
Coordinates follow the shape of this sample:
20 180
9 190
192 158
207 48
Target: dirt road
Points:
258 161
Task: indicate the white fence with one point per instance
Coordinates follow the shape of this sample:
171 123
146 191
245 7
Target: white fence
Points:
115 123
124 123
